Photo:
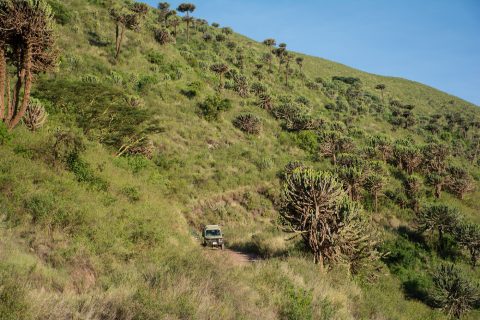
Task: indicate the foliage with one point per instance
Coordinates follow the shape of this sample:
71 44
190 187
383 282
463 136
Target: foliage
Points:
211 108
84 173
5 136
61 13
102 111
248 123
13 298
454 293
298 305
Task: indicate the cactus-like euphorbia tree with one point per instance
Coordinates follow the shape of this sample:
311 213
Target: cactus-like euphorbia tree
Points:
174 22
35 116
374 184
315 207
299 61
269 42
162 36
220 69
438 217
27 37
187 8
382 88
124 19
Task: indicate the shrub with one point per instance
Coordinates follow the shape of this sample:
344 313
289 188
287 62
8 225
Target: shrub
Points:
137 163
66 146
5 136
147 81
459 181
307 140
156 58
134 101
13 298
35 116
132 194
220 37
192 89
454 292
60 12
163 36
115 77
258 88
84 173
40 207
90 79
298 305
211 108
248 123
264 163
265 101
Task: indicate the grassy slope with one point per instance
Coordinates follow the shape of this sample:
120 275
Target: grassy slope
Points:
95 253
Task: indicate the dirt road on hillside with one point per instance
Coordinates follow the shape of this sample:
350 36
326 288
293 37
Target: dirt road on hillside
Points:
231 257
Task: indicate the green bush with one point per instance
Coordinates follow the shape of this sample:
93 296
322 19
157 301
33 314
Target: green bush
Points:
13 298
132 194
298 304
84 173
61 14
66 145
156 58
137 163
5 136
40 207
211 108
192 90
308 141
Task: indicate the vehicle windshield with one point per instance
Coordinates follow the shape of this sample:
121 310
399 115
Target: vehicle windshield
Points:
213 233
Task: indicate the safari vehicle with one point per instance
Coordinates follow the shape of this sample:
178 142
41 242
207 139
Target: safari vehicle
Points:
213 236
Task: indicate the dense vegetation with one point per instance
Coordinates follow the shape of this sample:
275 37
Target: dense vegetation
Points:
138 126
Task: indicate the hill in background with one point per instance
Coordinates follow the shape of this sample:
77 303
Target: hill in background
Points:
103 205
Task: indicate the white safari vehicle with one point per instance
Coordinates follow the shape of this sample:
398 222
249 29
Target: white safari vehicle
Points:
213 236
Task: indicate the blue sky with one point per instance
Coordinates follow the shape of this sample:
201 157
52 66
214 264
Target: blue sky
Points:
436 42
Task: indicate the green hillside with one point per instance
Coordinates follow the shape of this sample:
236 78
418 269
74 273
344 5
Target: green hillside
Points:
102 205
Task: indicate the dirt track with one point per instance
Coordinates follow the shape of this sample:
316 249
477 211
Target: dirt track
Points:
232 257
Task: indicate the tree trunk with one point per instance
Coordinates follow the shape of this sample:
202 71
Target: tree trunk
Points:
8 102
334 157
188 27
12 110
440 237
438 190
117 36
120 40
3 77
19 112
